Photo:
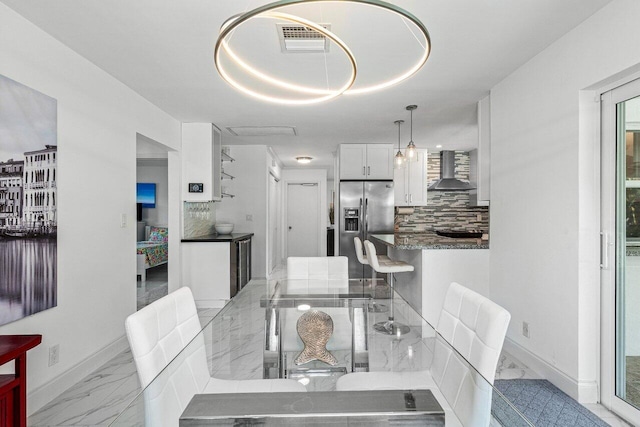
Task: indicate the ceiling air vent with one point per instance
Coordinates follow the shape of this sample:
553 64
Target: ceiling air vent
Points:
301 39
262 130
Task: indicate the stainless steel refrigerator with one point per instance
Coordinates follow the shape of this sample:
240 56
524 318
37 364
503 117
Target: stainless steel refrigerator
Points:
366 207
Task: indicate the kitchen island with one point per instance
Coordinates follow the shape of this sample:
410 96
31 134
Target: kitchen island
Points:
437 261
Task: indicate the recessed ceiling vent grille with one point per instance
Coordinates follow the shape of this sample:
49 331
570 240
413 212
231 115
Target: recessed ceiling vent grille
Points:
301 39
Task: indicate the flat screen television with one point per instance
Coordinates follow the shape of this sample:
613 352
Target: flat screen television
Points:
146 194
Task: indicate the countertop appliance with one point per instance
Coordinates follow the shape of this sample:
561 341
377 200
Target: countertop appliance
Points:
366 207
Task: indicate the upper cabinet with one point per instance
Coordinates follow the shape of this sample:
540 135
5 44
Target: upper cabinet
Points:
201 162
480 158
366 161
410 182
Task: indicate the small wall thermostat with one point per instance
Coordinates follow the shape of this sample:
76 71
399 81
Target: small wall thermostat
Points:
195 187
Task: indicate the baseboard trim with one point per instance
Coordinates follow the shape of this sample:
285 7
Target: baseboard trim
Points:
44 394
582 391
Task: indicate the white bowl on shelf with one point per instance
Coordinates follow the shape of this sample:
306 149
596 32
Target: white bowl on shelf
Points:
223 228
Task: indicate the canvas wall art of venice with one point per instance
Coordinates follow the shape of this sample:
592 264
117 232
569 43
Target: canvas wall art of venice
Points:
28 201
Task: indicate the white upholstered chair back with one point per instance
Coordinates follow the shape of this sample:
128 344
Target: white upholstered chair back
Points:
333 268
362 259
156 334
475 326
372 255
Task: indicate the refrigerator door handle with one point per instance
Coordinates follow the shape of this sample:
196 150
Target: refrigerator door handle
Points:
365 229
361 219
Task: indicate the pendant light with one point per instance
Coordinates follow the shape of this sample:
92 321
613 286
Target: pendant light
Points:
411 148
399 160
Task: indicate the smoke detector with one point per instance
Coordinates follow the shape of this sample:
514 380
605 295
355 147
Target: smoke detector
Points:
300 39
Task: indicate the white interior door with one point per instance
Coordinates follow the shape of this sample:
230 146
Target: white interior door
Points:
621 251
303 220
273 223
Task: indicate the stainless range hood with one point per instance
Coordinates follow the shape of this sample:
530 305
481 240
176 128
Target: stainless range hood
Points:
448 181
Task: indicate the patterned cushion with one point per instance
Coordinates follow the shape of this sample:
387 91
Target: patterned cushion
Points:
158 234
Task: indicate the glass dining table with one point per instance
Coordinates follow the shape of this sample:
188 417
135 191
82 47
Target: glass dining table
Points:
257 335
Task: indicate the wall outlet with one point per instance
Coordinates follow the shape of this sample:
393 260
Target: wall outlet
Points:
525 329
54 354
479 217
123 220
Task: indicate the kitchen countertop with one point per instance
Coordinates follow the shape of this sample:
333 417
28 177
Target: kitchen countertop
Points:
233 237
429 240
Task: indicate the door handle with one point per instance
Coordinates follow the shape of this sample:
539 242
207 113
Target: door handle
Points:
360 218
406 198
366 217
364 170
604 251
368 170
410 198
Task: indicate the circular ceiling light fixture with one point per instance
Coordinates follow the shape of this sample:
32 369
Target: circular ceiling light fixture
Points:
304 159
223 44
269 11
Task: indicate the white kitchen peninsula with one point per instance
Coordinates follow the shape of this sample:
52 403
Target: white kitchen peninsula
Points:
214 267
438 261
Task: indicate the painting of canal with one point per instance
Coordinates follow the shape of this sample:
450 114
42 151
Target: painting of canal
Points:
28 201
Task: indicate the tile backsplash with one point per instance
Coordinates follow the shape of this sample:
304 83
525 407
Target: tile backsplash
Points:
445 209
199 218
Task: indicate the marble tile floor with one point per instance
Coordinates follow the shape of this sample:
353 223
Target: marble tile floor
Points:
156 286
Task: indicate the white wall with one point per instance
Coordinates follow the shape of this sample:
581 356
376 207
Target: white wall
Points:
155 171
250 190
98 118
303 176
545 195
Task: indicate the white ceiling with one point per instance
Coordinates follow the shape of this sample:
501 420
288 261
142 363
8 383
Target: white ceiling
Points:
163 50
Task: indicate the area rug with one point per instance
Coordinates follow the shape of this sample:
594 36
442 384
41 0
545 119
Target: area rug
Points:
542 403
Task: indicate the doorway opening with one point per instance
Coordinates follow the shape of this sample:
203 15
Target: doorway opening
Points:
152 231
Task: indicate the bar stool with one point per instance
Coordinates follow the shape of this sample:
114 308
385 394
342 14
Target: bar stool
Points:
390 327
376 308
362 257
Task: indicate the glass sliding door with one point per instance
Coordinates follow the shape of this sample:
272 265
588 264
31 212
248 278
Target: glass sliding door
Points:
621 243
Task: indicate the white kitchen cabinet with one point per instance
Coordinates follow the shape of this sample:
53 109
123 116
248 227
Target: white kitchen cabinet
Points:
366 161
479 159
201 163
205 269
410 182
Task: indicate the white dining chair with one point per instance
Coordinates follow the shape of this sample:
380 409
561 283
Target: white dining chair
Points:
318 275
475 327
323 268
159 333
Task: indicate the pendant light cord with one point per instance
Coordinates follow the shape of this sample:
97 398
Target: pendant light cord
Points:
411 137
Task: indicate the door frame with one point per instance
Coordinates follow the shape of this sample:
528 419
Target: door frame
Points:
273 241
615 93
285 213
